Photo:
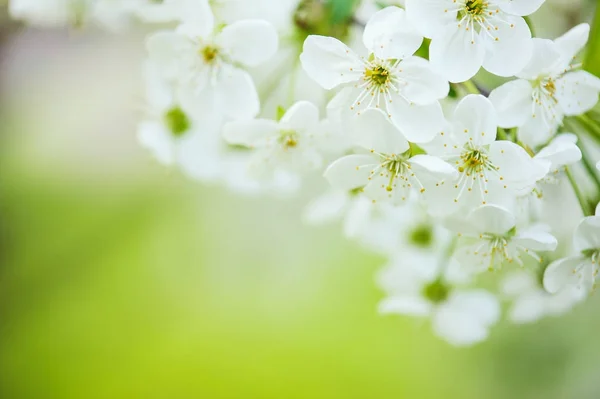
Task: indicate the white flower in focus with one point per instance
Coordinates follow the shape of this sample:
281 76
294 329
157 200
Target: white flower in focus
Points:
490 239
292 144
390 171
416 287
490 171
531 302
580 270
468 34
550 88
390 78
200 55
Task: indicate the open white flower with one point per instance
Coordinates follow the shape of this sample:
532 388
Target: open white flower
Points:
468 34
580 270
292 144
550 88
531 302
416 287
390 171
200 55
178 129
490 171
390 78
489 239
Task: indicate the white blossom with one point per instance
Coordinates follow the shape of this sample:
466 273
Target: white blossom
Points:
416 286
579 270
530 302
390 78
550 88
490 239
489 170
468 34
200 55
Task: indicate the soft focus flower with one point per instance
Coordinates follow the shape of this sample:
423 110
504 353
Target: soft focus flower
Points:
416 286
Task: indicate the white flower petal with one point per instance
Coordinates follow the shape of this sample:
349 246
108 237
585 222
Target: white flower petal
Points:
514 164
302 117
457 54
236 94
328 207
197 18
572 42
372 130
431 17
520 7
330 62
249 42
154 137
559 274
475 118
418 123
587 234
350 172
434 167
492 219
577 92
164 49
389 34
512 102
252 133
466 317
536 240
510 49
545 57
422 85
563 150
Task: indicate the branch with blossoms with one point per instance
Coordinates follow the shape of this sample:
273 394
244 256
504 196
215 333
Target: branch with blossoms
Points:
447 176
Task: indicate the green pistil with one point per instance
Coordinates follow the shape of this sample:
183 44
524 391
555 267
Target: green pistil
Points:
209 54
475 7
421 236
436 292
177 121
378 75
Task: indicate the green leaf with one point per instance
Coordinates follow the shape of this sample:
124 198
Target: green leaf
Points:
592 59
342 10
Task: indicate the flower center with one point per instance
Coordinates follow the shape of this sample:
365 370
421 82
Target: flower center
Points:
475 7
550 87
474 161
177 122
436 292
421 236
378 75
209 54
288 139
396 166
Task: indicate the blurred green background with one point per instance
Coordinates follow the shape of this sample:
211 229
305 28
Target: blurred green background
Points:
121 279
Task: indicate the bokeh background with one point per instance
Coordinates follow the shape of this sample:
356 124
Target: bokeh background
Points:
120 278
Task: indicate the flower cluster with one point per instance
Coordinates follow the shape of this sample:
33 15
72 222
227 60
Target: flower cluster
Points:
450 177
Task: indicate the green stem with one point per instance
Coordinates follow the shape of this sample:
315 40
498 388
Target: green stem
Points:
590 167
471 87
590 125
585 207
